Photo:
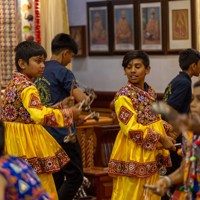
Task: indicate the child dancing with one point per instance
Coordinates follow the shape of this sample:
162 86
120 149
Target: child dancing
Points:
136 159
24 117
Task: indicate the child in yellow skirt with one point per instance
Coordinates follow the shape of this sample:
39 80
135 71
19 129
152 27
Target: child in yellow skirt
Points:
17 179
135 159
24 117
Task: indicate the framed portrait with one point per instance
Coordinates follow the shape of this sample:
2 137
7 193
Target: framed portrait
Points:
123 26
151 26
78 33
98 29
181 25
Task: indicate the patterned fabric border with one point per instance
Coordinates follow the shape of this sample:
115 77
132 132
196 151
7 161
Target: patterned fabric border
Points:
142 101
35 102
8 39
125 115
142 170
50 120
48 164
68 117
151 139
136 136
149 142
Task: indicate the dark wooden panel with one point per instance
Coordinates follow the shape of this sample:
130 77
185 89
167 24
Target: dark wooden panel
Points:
104 99
105 135
101 183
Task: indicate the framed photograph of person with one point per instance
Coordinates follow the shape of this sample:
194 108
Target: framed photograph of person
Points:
98 29
123 38
78 33
181 25
151 26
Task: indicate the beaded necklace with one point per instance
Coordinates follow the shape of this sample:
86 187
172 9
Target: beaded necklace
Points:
191 178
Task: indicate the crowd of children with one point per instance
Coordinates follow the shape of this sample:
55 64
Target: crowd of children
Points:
32 145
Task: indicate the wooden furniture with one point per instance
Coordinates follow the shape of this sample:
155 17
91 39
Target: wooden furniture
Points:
101 183
96 140
105 135
88 139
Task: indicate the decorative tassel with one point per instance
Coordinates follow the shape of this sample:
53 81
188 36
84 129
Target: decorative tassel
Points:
37 22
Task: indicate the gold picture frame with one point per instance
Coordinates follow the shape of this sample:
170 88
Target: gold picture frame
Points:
181 25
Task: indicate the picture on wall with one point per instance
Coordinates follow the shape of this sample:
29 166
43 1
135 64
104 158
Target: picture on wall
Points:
78 34
123 27
98 31
180 34
151 38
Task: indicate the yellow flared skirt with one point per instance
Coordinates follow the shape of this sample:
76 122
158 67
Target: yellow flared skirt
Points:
131 188
37 147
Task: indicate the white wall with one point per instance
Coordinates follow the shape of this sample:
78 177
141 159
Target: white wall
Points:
105 73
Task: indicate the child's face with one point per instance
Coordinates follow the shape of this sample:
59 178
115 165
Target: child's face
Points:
136 72
194 116
197 68
195 104
34 68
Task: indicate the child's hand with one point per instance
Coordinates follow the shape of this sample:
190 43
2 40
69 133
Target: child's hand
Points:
68 102
65 103
161 187
168 142
173 134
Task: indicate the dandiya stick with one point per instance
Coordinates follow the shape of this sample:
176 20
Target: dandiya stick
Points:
150 187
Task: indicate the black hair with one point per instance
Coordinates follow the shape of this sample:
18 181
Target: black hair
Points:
2 138
136 54
188 57
63 41
196 84
27 49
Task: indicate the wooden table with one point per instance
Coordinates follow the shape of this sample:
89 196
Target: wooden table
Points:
88 140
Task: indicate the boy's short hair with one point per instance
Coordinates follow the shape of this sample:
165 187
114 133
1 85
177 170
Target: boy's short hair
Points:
134 55
63 41
2 139
27 49
188 57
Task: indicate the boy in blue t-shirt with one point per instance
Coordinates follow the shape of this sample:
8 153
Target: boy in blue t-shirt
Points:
54 86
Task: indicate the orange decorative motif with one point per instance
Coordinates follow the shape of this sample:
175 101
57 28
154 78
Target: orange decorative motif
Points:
50 120
35 102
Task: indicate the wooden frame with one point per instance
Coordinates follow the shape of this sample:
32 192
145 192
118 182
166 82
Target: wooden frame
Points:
181 25
98 29
123 31
152 34
78 33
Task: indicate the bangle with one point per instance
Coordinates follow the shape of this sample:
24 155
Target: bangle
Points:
169 181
